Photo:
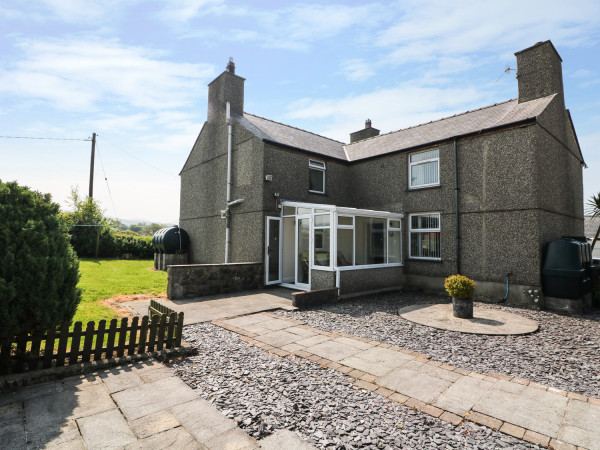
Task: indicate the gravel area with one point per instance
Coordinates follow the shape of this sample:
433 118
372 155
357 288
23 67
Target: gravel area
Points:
264 392
564 353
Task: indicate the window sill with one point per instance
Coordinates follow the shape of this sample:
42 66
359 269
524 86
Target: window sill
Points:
316 192
438 260
418 188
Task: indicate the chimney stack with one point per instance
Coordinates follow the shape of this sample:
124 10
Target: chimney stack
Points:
365 133
539 72
227 87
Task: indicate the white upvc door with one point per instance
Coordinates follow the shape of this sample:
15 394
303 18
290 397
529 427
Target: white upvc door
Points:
273 247
303 251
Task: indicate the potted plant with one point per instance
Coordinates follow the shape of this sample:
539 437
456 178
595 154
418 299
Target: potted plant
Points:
461 290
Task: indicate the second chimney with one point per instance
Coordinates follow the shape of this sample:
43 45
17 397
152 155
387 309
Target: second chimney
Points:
365 133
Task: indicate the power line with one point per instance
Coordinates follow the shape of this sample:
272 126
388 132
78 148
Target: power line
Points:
45 138
135 157
108 187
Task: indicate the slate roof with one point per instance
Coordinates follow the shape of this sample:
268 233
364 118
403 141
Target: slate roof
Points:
489 117
269 130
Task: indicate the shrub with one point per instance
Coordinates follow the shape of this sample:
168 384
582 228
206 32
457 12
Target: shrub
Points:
38 268
459 286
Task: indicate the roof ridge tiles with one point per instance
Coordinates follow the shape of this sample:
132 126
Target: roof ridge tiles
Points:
434 121
295 128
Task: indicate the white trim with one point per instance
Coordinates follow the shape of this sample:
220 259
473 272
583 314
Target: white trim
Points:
369 266
424 230
343 210
426 161
320 166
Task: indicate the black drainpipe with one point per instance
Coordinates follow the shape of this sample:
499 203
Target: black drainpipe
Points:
456 206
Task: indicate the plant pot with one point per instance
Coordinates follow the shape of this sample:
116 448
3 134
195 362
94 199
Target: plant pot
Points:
462 308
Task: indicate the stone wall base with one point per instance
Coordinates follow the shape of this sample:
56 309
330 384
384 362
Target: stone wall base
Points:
303 300
197 280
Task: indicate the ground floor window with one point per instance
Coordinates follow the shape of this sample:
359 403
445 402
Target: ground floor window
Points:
425 236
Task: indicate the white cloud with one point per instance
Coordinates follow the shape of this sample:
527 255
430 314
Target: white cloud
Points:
389 109
294 27
429 29
78 74
357 69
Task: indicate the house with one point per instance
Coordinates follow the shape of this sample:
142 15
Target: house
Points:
479 193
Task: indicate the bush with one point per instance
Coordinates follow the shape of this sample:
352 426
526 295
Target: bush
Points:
459 286
38 268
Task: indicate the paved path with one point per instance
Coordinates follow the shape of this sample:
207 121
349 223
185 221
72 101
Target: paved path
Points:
144 405
213 307
520 408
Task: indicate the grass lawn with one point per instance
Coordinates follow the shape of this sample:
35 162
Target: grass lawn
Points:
105 278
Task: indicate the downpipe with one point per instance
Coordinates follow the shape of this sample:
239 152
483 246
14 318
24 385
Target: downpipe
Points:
228 199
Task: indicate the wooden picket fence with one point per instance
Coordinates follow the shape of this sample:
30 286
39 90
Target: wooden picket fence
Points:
33 351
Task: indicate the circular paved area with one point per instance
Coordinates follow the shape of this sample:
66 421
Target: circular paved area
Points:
484 321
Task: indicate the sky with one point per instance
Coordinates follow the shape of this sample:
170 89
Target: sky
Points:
136 72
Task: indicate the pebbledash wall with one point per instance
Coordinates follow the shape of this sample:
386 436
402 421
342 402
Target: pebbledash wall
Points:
519 187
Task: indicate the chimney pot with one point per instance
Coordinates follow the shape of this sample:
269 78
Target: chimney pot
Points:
368 123
231 66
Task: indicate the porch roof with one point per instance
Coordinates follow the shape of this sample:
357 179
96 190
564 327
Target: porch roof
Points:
344 210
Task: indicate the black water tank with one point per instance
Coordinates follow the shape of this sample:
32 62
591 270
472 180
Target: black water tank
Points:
171 240
566 269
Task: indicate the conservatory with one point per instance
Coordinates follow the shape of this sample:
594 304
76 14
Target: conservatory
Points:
311 246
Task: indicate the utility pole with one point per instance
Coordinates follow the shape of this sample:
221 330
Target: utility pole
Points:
92 166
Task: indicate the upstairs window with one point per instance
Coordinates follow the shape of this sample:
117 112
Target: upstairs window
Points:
424 169
316 176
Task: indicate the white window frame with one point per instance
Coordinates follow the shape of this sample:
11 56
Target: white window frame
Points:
345 227
424 230
329 227
426 161
320 166
394 229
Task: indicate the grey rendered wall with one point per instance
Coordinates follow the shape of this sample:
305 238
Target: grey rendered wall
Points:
321 279
203 196
290 178
356 281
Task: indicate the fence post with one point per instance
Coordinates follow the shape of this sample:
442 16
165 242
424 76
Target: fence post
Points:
62 345
87 343
132 336
122 337
143 335
75 341
179 330
99 340
152 337
161 332
170 330
49 348
110 344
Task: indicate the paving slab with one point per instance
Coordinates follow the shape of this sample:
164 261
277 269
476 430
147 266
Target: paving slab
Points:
154 423
276 324
214 307
10 412
233 439
484 321
377 360
463 395
301 331
278 338
54 436
38 390
152 397
106 430
332 350
438 372
117 380
252 319
581 424
199 418
175 438
527 407
313 340
580 437
12 434
53 409
353 343
285 439
412 383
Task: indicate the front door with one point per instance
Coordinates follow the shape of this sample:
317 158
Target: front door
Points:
273 251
